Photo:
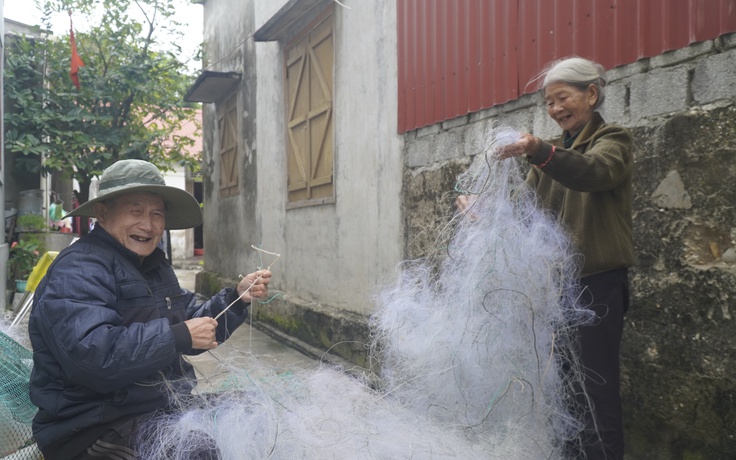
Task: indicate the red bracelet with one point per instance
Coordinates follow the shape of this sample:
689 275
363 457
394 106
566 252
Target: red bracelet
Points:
551 154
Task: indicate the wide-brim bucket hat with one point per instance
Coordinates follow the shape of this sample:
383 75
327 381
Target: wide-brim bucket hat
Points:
139 176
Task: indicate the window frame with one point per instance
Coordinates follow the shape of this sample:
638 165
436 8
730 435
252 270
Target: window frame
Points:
228 106
299 38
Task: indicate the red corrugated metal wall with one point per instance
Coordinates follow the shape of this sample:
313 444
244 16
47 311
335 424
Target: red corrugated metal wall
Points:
460 56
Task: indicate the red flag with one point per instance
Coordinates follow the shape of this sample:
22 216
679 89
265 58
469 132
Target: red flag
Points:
76 60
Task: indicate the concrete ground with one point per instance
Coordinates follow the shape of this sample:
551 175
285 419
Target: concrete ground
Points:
246 340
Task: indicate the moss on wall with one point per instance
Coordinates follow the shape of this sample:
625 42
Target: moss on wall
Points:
209 283
338 332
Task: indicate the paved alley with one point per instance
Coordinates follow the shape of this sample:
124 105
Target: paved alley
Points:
245 340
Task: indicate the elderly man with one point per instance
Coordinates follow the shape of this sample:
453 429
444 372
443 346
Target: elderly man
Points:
110 322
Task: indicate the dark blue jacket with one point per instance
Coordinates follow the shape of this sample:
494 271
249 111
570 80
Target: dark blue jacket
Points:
108 336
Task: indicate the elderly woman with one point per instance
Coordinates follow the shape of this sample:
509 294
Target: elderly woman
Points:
585 179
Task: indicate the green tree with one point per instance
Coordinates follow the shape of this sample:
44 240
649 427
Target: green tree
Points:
130 100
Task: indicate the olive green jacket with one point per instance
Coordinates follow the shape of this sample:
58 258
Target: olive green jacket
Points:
589 188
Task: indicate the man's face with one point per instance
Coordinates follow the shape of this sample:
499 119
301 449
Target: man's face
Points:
136 220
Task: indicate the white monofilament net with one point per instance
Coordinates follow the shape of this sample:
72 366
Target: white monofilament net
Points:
477 343
470 347
320 413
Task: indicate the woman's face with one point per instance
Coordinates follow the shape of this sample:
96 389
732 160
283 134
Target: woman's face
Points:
570 106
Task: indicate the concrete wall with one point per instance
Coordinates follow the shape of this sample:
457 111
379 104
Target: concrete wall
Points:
182 241
231 223
332 254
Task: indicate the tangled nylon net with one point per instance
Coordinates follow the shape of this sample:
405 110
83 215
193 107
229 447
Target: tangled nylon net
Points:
481 340
473 345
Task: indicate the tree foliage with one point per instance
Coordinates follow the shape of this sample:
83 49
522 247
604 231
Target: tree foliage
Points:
131 97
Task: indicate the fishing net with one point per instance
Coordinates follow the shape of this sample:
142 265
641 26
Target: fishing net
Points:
472 344
16 362
16 409
475 345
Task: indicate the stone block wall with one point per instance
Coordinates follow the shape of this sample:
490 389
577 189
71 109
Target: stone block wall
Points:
679 381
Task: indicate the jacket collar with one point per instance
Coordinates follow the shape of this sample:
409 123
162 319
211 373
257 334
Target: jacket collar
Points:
588 130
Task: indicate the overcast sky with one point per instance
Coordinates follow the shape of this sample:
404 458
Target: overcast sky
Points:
190 14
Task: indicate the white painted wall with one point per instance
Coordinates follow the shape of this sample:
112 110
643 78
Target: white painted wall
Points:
231 223
335 254
263 10
332 254
182 241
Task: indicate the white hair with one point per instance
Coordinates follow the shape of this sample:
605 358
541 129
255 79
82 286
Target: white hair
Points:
577 72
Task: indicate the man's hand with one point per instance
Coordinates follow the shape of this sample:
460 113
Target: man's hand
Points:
202 331
259 289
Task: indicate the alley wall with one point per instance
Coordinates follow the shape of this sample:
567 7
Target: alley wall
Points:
678 378
336 253
230 220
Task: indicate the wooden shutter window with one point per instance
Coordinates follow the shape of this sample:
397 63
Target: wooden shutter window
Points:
227 120
309 75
